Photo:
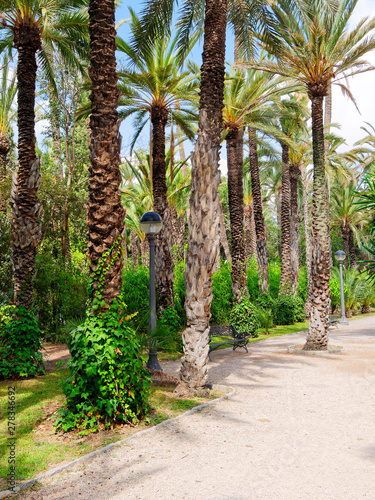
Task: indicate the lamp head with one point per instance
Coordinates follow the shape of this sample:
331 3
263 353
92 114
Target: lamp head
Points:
340 255
151 223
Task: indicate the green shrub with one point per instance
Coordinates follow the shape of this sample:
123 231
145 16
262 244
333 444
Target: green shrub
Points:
265 302
285 310
266 320
244 317
299 305
135 290
179 292
107 383
20 355
302 283
6 315
334 286
252 279
222 296
274 273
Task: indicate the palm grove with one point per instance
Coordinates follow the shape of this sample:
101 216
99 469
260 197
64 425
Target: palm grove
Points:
73 262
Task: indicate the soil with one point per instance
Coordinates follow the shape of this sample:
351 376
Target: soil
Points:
54 353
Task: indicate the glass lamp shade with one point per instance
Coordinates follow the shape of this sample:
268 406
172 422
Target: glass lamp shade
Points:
151 223
340 255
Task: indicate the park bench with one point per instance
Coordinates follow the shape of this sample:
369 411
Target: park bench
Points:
333 321
238 339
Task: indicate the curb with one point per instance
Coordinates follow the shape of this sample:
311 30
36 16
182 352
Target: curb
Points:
8 493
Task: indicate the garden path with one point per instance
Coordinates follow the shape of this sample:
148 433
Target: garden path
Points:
299 427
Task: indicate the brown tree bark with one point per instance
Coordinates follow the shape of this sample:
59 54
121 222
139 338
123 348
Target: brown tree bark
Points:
306 220
250 234
134 249
164 269
25 227
4 150
286 268
105 214
260 228
180 236
294 226
203 239
234 141
352 256
317 337
223 237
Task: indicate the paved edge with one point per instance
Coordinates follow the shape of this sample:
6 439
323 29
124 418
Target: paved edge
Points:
229 395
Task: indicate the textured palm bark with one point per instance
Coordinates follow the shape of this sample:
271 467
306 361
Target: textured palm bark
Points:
317 337
352 256
223 237
203 238
134 250
260 228
306 220
25 227
180 237
236 212
124 247
286 267
345 241
145 252
164 269
327 130
294 225
4 150
105 214
250 233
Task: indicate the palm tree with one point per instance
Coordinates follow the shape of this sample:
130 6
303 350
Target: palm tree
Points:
313 47
7 115
150 89
34 27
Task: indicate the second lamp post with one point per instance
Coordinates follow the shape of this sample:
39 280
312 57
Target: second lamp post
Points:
151 224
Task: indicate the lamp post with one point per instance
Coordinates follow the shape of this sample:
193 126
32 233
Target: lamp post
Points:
340 256
151 223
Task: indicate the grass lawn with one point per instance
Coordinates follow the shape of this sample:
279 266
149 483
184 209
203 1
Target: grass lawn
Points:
39 448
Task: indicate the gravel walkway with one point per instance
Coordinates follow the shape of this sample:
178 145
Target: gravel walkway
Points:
299 427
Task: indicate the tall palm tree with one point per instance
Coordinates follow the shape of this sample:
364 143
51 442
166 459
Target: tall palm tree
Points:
312 46
34 27
150 88
7 115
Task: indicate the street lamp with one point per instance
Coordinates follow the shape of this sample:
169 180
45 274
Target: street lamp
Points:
151 223
340 256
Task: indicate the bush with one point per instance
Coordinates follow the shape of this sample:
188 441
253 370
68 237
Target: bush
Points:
289 310
108 383
302 284
179 292
334 286
222 296
266 320
300 314
252 279
244 317
265 302
20 355
274 273
135 290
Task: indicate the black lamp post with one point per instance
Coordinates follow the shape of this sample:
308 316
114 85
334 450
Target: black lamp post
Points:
151 223
340 256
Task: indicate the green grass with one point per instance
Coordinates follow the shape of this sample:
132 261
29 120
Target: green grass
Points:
39 448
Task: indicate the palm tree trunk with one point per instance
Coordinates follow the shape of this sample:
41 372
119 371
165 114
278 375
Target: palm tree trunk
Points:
25 227
223 236
4 150
285 278
203 239
134 249
351 249
294 225
105 214
306 220
164 269
327 129
345 230
236 213
260 228
317 337
145 252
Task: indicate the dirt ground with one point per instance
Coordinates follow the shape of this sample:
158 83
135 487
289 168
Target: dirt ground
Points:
299 427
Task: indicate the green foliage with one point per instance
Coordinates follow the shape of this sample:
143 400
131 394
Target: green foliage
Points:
252 279
179 292
135 290
108 383
288 310
222 295
265 302
274 273
20 355
244 317
60 291
6 315
266 320
367 292
334 286
302 284
6 273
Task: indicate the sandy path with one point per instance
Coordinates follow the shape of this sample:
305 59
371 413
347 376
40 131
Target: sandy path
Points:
299 427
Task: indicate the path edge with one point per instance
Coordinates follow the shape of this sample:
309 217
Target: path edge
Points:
57 470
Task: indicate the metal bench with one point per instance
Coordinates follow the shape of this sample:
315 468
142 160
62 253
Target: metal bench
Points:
238 339
333 321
